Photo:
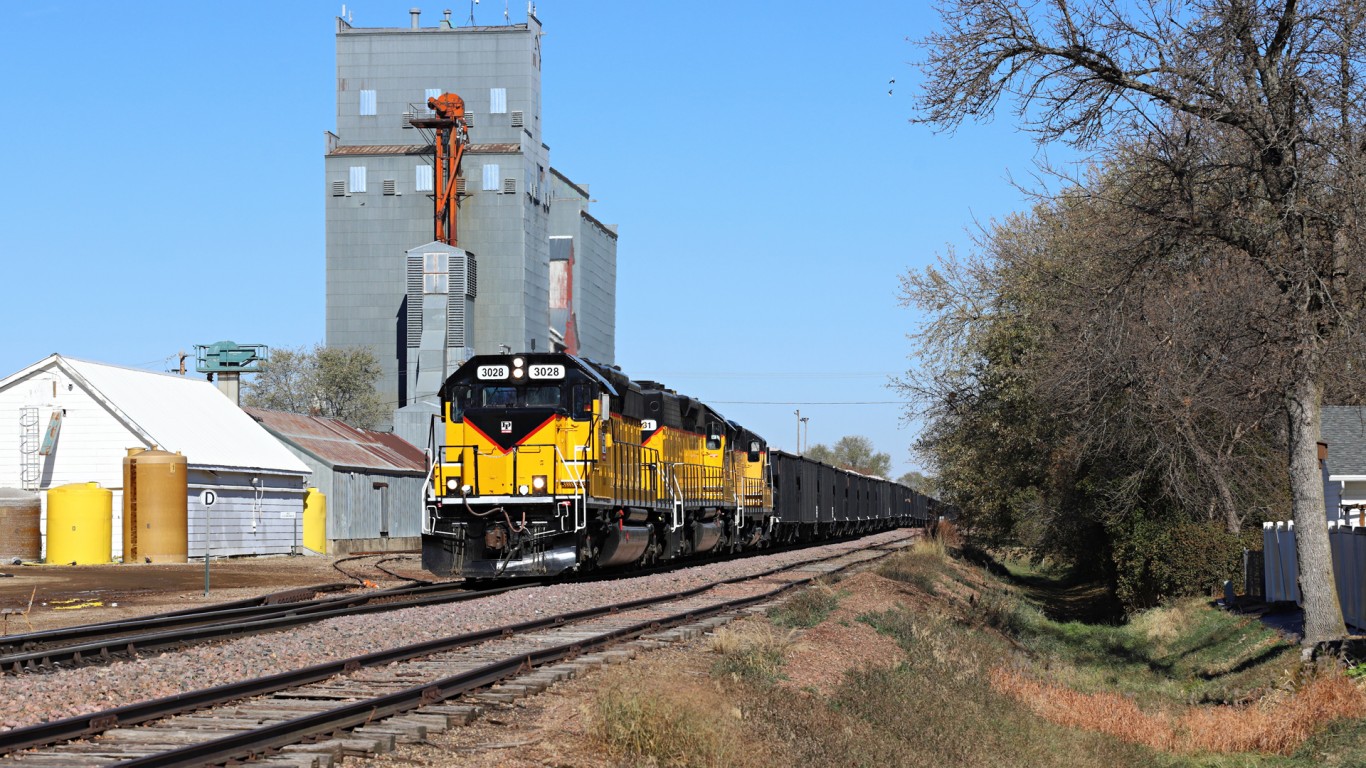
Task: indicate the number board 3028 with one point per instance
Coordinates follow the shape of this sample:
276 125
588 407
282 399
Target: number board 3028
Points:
546 372
487 372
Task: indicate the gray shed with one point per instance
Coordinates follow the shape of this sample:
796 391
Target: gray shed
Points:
373 480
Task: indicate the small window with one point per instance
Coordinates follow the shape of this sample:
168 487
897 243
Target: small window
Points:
491 176
367 102
713 442
422 179
357 178
498 101
430 93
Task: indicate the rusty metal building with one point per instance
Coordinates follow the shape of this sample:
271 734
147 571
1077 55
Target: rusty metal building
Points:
372 480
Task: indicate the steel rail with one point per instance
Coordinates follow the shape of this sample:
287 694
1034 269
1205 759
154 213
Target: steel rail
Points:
84 726
256 742
240 623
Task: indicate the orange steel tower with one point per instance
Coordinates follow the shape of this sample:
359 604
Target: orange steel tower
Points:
452 135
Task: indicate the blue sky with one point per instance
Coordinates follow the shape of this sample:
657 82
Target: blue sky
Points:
165 186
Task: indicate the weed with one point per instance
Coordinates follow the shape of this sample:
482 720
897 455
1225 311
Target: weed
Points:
923 565
751 651
807 608
673 722
1001 610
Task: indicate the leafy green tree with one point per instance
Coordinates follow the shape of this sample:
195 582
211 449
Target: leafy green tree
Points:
322 381
1245 123
918 482
854 452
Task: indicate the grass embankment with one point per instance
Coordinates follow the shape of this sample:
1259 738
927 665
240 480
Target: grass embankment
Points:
932 661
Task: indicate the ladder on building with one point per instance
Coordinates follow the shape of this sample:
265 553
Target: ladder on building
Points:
30 468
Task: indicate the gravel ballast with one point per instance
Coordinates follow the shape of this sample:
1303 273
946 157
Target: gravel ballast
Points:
30 699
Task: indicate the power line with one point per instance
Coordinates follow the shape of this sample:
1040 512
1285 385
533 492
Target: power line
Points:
808 402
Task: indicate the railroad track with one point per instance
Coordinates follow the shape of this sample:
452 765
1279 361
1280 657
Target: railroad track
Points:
68 647
50 650
363 704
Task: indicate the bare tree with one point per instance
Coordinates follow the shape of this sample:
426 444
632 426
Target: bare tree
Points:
1245 119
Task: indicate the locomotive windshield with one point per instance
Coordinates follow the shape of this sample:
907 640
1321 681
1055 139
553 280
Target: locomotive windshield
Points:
533 396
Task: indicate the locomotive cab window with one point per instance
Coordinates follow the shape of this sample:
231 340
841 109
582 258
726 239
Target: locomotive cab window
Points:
581 401
543 396
460 399
753 454
713 439
498 397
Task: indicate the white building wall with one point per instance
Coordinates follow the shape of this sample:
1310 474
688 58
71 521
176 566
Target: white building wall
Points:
91 446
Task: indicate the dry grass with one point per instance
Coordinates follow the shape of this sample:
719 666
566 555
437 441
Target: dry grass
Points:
751 650
1276 724
672 720
948 535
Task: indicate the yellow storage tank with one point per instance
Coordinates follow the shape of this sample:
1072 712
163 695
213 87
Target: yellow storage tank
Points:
80 524
155 492
315 520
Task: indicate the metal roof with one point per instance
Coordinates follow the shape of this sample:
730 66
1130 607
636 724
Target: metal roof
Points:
175 413
342 446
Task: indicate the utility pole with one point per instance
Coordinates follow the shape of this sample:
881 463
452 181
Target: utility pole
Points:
806 435
799 431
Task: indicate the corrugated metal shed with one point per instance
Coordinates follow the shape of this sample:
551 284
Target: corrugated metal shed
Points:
342 446
107 409
373 481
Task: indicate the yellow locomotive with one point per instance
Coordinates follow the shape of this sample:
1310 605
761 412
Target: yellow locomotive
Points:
545 463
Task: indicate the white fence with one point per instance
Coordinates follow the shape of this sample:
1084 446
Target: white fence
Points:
1281 566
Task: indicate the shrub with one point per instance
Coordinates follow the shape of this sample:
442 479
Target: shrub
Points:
1156 560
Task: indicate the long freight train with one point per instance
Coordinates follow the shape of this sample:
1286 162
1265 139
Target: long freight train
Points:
546 463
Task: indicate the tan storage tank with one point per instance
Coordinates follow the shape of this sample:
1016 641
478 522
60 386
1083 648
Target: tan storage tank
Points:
21 536
155 492
315 521
80 524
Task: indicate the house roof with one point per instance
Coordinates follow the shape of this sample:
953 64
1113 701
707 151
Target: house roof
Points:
1344 430
342 446
175 413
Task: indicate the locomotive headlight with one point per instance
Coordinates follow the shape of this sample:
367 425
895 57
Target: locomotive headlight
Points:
518 362
522 489
538 483
452 483
516 373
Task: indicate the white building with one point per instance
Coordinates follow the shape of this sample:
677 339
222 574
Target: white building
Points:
72 421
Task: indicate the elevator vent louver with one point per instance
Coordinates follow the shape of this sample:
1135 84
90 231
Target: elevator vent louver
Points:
390 188
517 118
339 189
509 186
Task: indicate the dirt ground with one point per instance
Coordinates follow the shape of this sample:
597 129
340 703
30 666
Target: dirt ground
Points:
66 595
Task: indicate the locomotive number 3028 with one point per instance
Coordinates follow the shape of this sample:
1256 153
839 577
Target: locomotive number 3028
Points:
547 372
